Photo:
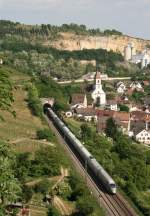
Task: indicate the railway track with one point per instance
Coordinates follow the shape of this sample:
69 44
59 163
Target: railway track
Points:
115 205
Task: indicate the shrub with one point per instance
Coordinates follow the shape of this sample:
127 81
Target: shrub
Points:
45 134
42 186
53 212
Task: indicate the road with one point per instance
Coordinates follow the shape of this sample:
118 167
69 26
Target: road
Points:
91 80
114 205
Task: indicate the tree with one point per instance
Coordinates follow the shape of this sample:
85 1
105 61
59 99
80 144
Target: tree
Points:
6 95
86 131
111 128
45 134
124 108
123 146
23 164
34 101
85 206
27 193
9 185
137 96
46 162
42 186
53 212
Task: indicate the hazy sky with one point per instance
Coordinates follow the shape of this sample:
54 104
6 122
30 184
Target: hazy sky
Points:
129 16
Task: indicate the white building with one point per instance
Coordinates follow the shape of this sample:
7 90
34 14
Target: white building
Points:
128 52
143 136
78 101
136 85
130 55
142 58
98 95
145 61
112 105
121 87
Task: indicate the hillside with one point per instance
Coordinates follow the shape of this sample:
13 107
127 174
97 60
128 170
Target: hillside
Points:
33 160
71 37
111 42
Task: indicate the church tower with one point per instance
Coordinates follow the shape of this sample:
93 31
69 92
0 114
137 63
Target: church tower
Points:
98 94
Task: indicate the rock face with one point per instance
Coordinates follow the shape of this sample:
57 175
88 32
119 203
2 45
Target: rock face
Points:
115 43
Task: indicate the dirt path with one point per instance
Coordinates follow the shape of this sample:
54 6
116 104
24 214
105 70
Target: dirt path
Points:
31 140
62 206
32 183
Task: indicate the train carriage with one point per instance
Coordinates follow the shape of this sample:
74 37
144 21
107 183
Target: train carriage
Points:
89 160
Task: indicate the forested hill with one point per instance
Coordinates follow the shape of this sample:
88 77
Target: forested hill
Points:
60 51
69 37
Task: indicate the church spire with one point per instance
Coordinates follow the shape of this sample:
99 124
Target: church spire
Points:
98 80
98 75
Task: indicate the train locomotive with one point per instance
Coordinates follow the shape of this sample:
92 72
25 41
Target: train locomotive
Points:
86 156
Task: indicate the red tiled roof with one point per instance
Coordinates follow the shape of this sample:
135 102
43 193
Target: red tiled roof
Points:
146 82
130 91
86 111
77 98
122 116
98 75
111 102
108 113
138 115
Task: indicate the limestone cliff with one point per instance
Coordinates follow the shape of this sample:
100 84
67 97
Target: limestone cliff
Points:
115 43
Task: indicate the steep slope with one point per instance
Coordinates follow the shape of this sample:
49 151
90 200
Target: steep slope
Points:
71 42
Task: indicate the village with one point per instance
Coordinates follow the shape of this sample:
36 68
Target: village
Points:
98 106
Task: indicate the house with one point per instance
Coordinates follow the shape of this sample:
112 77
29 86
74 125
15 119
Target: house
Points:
87 114
102 117
101 124
136 85
139 116
120 90
143 136
121 87
130 91
142 58
124 99
146 83
147 101
112 105
135 107
78 101
121 118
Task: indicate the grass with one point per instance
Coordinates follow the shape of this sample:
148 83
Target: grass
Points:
20 131
73 125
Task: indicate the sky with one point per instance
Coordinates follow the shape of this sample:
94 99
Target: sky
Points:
128 16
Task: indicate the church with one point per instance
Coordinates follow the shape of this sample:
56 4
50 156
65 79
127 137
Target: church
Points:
98 95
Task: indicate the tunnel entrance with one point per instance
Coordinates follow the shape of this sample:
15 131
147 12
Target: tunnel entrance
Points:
45 107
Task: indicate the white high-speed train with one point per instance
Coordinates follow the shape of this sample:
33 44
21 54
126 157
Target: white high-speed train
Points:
92 163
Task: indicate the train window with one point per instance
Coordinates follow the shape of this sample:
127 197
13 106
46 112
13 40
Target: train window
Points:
113 185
